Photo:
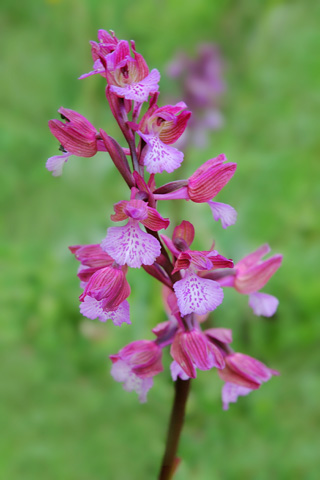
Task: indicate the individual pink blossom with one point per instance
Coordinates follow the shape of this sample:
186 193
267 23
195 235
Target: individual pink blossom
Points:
129 245
159 128
242 374
107 44
251 274
136 364
76 135
194 293
129 76
203 185
192 350
108 285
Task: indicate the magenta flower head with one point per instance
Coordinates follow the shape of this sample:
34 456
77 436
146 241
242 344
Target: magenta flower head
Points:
76 135
242 374
108 284
107 44
192 350
194 293
129 244
210 178
159 128
205 183
136 364
129 76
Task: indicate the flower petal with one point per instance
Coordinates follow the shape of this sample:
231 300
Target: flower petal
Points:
130 245
55 164
199 295
223 212
176 371
139 92
92 308
231 392
121 372
263 304
159 156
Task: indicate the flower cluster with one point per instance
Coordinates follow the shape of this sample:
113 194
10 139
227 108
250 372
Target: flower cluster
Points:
193 280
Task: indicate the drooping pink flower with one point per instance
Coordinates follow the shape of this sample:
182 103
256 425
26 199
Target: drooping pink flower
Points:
251 274
129 76
242 374
129 245
104 283
76 135
136 364
192 350
203 185
108 285
159 128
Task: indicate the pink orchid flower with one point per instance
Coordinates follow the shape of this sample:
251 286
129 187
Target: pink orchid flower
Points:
107 44
191 350
159 128
76 135
203 185
129 245
251 274
242 374
104 283
194 293
136 364
129 76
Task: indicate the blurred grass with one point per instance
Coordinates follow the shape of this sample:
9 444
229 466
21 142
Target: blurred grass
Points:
62 414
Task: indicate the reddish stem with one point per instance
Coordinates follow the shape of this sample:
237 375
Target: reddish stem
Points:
170 461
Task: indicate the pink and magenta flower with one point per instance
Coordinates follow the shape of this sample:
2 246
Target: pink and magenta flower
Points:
104 283
251 274
203 185
129 76
107 44
129 245
136 364
76 135
194 293
242 374
159 128
191 350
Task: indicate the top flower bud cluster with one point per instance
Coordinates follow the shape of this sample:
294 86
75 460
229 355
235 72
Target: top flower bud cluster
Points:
194 280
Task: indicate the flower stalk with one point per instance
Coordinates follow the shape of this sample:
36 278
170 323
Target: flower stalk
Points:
170 461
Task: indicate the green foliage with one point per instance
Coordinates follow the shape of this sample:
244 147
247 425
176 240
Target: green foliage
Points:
62 414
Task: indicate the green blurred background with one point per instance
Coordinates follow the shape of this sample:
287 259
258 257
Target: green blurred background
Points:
62 416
